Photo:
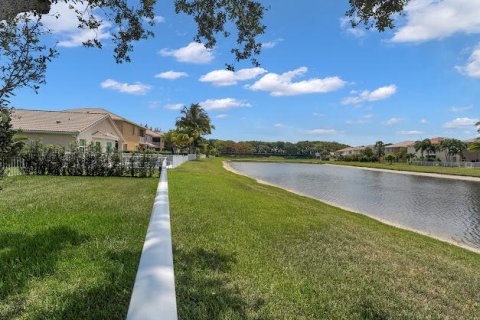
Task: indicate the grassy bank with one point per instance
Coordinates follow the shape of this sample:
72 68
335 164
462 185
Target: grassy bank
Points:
376 165
70 246
246 250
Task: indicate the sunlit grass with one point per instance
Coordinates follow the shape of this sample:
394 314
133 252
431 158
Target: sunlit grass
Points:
246 250
70 246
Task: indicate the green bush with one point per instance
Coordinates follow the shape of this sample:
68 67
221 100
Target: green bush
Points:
90 161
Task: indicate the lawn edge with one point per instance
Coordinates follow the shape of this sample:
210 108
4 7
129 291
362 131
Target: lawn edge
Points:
226 165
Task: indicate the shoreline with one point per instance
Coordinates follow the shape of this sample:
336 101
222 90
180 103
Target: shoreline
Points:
412 173
228 167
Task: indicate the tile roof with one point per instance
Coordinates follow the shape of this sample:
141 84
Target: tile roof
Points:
153 133
403 144
102 111
352 149
53 121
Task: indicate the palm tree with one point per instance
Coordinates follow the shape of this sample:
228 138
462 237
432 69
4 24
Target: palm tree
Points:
379 149
423 145
194 122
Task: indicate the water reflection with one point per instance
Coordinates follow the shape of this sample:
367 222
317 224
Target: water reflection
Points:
442 207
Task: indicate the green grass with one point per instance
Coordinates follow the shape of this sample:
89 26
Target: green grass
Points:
377 165
243 250
70 246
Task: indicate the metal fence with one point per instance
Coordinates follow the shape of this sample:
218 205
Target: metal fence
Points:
470 165
13 167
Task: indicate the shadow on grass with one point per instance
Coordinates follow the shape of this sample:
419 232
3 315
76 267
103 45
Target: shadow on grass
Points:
23 257
204 288
109 298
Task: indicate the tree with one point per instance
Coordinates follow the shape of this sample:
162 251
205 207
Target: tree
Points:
390 157
475 146
21 19
21 31
195 123
422 146
9 144
451 147
379 149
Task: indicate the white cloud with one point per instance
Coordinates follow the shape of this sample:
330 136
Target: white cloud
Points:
437 19
460 123
321 131
159 19
392 121
411 132
221 116
228 78
153 105
282 85
136 88
171 75
423 121
318 114
375 95
271 44
176 106
363 120
345 25
472 68
194 52
223 104
279 125
460 109
63 22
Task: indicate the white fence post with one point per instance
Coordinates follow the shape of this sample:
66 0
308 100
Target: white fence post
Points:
153 294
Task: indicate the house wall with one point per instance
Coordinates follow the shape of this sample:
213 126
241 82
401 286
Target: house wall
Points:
131 134
105 126
63 140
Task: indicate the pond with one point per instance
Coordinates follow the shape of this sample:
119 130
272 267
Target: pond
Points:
444 208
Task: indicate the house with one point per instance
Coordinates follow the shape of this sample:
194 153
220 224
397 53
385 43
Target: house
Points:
398 147
64 127
468 156
154 140
133 134
350 151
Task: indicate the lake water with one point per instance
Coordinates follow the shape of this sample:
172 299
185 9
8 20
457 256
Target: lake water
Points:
449 209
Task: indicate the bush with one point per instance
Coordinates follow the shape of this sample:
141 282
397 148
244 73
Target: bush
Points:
54 160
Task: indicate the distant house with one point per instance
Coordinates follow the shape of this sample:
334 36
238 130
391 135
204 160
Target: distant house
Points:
63 128
439 154
471 156
154 140
133 134
398 147
350 151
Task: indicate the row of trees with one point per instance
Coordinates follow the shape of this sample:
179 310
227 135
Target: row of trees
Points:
301 148
450 147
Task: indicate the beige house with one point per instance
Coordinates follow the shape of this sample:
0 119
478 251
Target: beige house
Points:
133 134
350 151
64 127
154 140
398 147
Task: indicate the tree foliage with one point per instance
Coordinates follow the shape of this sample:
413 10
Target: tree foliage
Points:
375 13
193 124
451 147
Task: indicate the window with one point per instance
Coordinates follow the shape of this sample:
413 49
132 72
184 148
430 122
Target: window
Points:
109 147
83 144
98 146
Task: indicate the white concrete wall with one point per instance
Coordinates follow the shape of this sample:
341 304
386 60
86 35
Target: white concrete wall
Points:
153 294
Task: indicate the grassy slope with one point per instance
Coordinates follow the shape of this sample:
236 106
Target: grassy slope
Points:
70 246
246 250
395 166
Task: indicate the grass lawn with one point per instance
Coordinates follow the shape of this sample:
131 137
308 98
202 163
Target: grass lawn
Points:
377 165
70 246
246 250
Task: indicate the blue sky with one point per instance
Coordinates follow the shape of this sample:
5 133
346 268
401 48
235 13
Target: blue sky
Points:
319 79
